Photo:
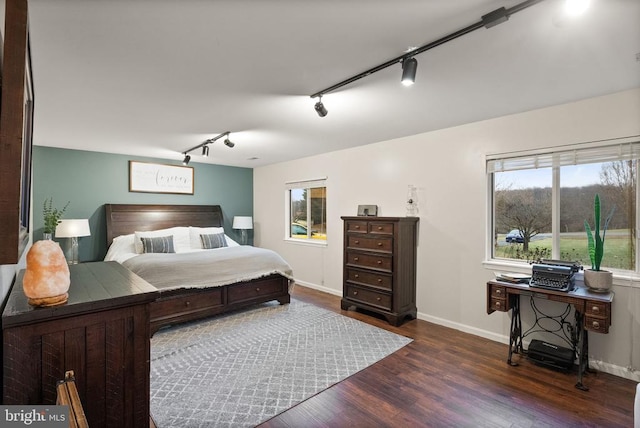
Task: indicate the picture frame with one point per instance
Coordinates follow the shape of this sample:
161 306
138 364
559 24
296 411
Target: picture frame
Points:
146 177
368 210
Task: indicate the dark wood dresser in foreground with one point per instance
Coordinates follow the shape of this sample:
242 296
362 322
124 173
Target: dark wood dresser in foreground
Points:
380 266
101 333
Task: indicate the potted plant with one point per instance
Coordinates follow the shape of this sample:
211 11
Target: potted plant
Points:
52 217
595 278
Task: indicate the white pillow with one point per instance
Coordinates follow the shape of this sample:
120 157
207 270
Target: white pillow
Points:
195 232
231 242
180 238
121 245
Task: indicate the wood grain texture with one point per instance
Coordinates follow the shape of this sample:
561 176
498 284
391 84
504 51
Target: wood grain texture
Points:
177 306
377 251
102 337
449 378
16 33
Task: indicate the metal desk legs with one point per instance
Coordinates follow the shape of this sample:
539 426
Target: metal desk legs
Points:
579 340
515 335
582 350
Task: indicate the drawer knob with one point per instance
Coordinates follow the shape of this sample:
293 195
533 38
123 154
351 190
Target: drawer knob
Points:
595 309
498 304
355 293
356 242
498 291
379 279
379 244
187 303
355 259
378 299
379 227
595 324
356 276
379 262
258 289
357 227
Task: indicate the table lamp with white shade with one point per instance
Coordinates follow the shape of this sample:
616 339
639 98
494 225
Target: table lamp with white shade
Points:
73 229
243 223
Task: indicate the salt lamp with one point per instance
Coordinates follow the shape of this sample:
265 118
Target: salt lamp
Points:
46 279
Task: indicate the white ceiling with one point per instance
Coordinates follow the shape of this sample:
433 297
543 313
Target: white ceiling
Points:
156 77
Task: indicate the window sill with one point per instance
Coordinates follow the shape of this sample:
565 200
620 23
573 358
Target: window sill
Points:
622 279
307 242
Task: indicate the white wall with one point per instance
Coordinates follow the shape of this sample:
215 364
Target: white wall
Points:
448 167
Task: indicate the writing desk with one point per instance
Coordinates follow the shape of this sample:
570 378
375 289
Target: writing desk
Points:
592 313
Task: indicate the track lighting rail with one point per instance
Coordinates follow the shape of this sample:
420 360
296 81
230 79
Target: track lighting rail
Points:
205 147
489 20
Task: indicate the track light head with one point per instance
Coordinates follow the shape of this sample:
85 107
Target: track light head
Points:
320 108
186 160
228 142
409 68
205 151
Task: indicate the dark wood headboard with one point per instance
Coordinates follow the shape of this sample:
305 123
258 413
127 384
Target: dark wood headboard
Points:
123 219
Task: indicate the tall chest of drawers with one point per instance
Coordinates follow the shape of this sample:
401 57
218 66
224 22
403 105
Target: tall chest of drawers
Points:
379 272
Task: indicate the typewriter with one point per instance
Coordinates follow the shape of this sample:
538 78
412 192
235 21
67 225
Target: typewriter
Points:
554 275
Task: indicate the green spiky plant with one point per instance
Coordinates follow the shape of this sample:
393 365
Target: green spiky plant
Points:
52 215
594 241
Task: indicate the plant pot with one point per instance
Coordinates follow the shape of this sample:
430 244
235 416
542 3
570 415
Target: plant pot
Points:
598 280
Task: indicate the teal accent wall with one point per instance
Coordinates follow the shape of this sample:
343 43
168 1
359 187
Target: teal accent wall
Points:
88 180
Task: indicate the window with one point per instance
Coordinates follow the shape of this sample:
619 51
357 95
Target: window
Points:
540 201
307 210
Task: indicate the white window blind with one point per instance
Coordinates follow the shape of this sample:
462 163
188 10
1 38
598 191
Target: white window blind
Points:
575 155
306 184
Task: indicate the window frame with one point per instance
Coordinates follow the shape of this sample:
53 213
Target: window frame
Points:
553 157
307 185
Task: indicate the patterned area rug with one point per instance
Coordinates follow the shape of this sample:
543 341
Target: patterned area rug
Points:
243 368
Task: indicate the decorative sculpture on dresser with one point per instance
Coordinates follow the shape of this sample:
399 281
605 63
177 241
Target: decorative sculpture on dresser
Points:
46 279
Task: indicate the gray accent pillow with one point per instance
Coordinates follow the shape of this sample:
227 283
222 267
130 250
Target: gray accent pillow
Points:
215 240
160 244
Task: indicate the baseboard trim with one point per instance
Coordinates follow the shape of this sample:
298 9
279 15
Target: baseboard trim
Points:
319 288
502 338
602 366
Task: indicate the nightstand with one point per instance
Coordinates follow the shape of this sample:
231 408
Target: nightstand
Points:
101 333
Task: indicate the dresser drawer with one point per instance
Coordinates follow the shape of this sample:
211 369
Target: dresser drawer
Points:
499 304
375 244
239 293
382 228
597 325
185 303
374 279
356 226
498 292
597 309
370 297
378 262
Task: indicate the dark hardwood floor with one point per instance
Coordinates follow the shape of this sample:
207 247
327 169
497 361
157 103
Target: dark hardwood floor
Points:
449 378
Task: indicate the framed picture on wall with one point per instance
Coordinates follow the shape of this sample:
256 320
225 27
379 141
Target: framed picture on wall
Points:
160 178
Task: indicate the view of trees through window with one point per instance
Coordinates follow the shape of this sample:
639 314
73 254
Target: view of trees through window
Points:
308 213
523 212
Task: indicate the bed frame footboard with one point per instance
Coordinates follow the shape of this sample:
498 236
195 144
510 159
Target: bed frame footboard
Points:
178 306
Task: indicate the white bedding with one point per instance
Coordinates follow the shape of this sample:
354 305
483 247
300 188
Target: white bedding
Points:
208 268
191 267
186 240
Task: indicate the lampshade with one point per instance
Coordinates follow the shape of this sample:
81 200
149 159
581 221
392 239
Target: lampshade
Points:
73 228
242 222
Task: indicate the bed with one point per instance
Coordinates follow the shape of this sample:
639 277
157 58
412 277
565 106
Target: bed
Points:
188 290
